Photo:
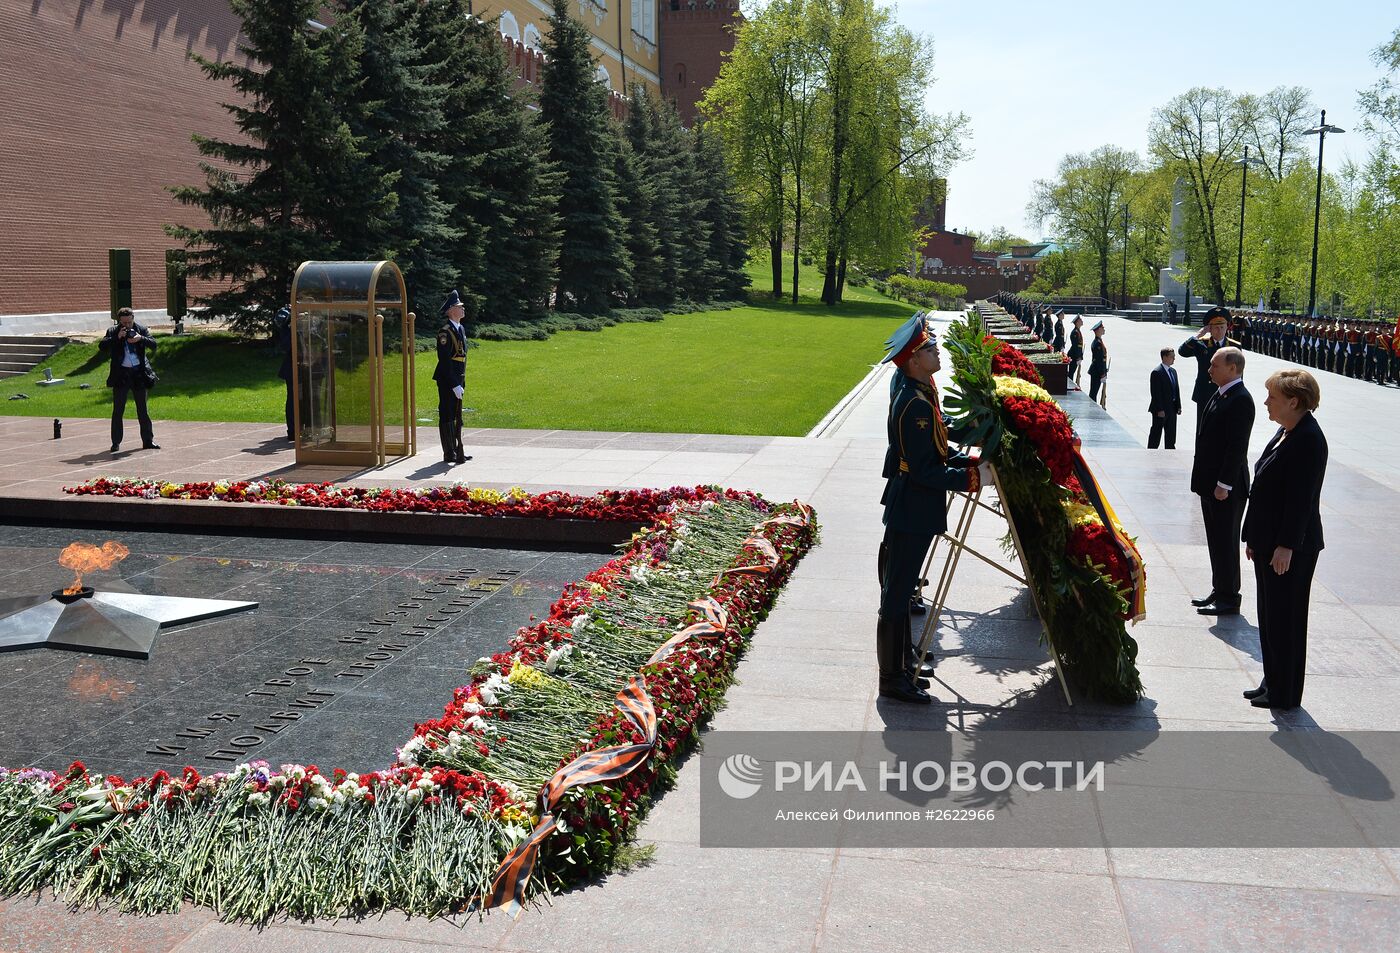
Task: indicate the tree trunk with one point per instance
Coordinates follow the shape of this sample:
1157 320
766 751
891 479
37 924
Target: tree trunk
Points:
841 279
775 251
796 237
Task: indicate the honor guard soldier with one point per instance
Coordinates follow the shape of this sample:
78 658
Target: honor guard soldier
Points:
451 377
1290 341
1203 347
1058 341
1355 352
920 469
1373 356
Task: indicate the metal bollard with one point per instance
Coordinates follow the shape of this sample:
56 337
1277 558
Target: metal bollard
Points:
57 428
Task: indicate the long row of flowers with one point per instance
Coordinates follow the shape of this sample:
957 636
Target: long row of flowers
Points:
458 499
1088 575
485 804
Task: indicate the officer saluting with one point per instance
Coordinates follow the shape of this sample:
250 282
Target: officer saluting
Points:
1203 347
920 469
451 377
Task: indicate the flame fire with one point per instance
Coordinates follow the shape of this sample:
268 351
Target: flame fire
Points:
85 557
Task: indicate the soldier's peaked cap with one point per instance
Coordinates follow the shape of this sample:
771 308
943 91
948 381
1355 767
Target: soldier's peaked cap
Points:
453 300
908 338
1218 313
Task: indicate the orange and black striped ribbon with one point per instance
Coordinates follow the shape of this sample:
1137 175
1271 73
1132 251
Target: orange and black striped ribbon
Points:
593 767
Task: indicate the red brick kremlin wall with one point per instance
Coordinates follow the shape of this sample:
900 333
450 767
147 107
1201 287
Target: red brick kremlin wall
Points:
695 36
98 99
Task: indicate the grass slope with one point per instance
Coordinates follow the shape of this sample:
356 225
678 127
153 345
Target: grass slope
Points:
768 368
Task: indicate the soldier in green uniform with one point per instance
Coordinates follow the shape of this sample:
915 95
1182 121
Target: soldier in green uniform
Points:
1203 347
920 469
451 377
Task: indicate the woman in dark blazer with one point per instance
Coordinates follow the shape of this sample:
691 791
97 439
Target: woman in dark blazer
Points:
1283 534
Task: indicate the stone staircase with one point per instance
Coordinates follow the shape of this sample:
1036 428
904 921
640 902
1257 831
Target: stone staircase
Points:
20 353
1152 308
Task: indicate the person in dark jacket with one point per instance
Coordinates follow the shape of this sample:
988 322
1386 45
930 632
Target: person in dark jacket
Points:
1058 343
451 377
1098 362
1202 347
130 373
920 469
1076 350
282 331
1165 405
1283 534
1220 477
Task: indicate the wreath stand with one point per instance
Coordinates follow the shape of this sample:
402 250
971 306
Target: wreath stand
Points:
957 544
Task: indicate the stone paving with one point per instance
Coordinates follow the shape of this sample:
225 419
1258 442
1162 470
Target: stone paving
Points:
812 668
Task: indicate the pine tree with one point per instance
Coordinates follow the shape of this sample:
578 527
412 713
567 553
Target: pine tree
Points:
635 197
299 185
656 134
402 122
723 214
593 260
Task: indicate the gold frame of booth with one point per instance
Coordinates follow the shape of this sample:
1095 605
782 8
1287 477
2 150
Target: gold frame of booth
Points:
348 406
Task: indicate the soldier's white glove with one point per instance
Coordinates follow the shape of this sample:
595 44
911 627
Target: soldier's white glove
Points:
458 391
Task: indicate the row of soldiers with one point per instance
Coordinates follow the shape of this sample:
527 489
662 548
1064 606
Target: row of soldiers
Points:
1365 350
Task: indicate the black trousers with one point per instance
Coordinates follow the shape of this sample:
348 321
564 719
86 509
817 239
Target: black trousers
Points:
1094 381
287 412
1163 424
1222 519
130 381
1283 624
904 558
1073 373
449 421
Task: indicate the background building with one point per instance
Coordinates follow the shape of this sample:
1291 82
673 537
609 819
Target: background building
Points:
625 35
696 35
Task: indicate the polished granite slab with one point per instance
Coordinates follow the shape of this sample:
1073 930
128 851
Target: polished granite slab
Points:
350 645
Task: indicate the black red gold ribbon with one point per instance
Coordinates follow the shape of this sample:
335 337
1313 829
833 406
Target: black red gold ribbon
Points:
1137 602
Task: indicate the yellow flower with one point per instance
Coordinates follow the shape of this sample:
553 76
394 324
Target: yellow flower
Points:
1081 514
168 490
517 493
521 674
1015 387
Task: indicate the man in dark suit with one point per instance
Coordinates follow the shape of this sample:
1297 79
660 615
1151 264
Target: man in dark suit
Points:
130 373
1166 401
451 377
1203 347
1220 477
920 469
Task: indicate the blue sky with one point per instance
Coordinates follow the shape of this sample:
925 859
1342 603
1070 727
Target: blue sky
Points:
1042 79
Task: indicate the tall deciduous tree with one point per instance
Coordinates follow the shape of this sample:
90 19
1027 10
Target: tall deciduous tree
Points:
299 184
1085 202
594 267
1199 135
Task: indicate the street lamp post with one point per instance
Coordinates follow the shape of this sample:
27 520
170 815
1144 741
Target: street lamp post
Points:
1244 165
1320 130
1123 291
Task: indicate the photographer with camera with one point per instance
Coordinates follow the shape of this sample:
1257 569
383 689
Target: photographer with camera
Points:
131 373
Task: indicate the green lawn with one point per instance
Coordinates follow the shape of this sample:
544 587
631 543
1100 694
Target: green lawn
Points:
769 368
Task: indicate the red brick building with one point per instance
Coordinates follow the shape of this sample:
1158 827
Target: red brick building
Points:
695 37
97 104
99 100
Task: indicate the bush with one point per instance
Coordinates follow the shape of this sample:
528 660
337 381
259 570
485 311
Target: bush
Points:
933 294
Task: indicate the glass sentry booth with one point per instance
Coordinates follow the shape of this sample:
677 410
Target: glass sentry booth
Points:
352 363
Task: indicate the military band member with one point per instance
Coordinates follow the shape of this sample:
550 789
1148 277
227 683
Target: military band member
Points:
1203 347
451 377
920 468
1375 367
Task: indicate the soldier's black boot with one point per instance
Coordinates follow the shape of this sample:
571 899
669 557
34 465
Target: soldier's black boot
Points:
919 674
891 646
